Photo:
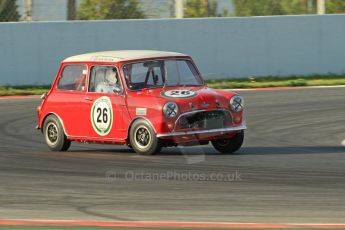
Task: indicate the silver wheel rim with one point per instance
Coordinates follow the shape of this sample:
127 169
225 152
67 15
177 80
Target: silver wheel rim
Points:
52 133
142 137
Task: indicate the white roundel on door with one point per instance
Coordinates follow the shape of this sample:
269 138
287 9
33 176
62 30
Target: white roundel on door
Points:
102 116
178 93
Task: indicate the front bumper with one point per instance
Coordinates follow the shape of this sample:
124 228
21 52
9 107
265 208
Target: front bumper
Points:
220 131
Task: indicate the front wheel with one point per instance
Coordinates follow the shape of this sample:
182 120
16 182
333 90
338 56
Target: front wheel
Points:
229 145
54 134
143 139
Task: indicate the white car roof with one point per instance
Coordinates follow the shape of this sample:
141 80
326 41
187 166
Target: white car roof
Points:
121 55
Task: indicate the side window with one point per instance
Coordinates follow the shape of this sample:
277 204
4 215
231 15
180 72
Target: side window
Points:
103 79
73 77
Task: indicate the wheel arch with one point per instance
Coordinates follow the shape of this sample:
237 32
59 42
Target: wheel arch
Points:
58 117
139 118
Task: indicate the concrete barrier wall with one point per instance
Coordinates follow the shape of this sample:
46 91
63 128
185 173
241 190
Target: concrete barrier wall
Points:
30 53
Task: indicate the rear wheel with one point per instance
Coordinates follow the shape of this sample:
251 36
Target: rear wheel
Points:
54 134
143 139
229 145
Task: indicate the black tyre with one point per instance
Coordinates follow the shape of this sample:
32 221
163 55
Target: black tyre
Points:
229 145
54 134
143 139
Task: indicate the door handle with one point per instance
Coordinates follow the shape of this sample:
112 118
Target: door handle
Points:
88 99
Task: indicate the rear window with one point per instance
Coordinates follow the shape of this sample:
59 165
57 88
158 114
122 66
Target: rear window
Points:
73 77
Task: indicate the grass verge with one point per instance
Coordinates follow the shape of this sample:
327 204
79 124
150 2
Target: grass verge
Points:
23 90
264 82
250 82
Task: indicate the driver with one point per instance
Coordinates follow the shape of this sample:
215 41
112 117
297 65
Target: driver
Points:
110 82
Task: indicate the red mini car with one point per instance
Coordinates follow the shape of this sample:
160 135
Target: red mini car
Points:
141 98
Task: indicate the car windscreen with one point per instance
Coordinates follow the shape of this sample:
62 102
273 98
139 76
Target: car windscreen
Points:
159 73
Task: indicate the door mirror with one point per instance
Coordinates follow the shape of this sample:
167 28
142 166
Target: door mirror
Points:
43 96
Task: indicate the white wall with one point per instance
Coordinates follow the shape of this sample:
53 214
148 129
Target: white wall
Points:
222 47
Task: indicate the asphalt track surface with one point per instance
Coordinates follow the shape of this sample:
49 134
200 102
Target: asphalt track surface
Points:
291 169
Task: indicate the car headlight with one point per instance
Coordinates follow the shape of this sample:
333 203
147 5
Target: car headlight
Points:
236 103
170 110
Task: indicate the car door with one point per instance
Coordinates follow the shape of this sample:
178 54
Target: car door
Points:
104 104
67 98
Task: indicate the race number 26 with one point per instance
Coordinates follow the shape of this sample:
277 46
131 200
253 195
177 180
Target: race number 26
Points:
178 93
102 116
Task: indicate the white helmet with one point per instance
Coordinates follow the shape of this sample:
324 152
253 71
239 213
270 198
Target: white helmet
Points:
110 76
